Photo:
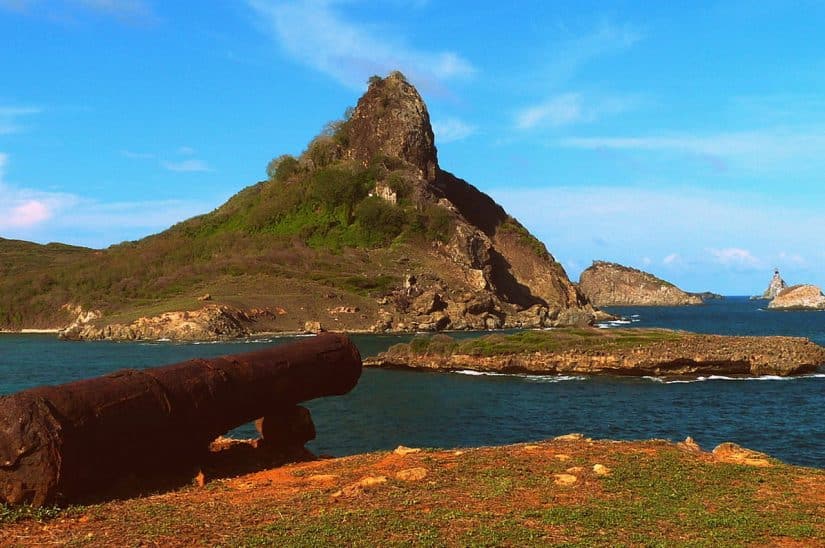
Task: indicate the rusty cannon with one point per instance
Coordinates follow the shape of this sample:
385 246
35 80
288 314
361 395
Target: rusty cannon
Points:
61 442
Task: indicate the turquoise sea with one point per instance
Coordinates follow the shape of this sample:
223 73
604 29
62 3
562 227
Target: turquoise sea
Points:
783 417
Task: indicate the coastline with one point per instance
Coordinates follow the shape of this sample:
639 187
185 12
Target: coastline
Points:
29 331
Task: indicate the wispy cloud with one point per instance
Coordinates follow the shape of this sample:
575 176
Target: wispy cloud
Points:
565 59
452 129
187 166
9 118
315 33
671 259
750 149
31 214
570 108
22 208
736 257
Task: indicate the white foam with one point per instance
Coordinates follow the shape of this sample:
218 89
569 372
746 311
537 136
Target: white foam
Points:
524 376
725 378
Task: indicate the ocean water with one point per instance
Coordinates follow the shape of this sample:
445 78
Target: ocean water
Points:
783 417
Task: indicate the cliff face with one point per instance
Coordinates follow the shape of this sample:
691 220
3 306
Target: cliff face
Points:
777 284
799 297
611 284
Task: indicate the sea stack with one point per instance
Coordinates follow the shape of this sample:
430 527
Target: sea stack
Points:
799 297
777 284
610 284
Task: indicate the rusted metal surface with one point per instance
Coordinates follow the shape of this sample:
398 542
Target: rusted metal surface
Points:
291 427
57 442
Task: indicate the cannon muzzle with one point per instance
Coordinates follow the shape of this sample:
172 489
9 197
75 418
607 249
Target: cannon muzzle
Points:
58 442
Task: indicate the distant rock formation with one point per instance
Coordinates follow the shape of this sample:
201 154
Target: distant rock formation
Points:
611 284
799 297
777 284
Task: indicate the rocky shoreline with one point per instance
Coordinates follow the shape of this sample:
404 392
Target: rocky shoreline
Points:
625 352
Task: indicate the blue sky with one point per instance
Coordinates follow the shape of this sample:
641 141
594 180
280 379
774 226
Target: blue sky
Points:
687 139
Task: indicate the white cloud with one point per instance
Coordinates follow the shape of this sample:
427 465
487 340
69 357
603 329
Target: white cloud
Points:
452 129
186 151
22 208
187 166
571 108
557 111
673 258
736 257
316 34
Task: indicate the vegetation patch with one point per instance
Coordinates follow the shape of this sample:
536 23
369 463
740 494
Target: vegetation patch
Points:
528 342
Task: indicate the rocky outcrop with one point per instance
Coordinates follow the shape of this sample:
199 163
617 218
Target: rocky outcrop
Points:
775 287
611 284
633 352
391 119
213 322
500 264
799 297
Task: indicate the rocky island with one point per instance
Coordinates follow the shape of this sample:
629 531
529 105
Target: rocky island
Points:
776 285
363 231
591 351
798 297
611 284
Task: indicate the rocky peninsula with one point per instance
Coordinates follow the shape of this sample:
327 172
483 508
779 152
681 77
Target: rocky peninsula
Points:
626 352
611 284
798 297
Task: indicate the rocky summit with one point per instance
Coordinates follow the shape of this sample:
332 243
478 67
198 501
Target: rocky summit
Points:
799 297
777 284
610 284
363 231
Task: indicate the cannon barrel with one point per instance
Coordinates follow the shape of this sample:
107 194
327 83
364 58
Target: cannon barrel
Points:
57 442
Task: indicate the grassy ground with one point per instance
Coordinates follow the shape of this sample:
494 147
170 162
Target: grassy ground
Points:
527 342
654 494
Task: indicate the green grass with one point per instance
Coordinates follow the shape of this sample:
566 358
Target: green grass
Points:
12 513
527 342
